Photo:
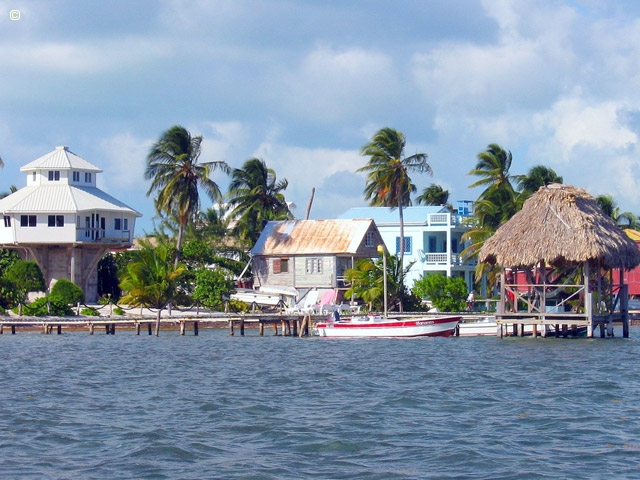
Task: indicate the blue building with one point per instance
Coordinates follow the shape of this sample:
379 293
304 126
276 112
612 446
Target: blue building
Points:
433 237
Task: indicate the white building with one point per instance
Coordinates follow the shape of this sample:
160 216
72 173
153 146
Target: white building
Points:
432 238
63 221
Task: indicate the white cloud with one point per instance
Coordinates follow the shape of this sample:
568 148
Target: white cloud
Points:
574 122
125 163
334 84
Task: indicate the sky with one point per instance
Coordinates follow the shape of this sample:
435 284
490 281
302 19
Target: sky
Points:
304 85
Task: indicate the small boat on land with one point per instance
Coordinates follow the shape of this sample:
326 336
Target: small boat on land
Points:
379 326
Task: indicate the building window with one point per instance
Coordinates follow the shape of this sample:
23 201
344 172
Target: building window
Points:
87 224
56 220
27 220
33 176
125 225
313 265
284 265
7 221
87 177
368 240
117 224
407 244
54 175
76 176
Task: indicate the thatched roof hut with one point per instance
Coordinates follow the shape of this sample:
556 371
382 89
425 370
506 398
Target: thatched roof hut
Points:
561 225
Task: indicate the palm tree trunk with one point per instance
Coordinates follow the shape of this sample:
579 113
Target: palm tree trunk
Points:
178 244
401 276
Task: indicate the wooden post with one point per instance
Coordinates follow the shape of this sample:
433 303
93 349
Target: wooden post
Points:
565 331
231 327
149 328
543 332
534 330
296 323
1 328
137 328
242 327
13 329
107 329
195 329
91 326
601 325
275 328
46 329
59 329
181 327
261 328
113 329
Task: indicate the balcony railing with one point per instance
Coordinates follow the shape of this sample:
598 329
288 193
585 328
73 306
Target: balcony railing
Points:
99 235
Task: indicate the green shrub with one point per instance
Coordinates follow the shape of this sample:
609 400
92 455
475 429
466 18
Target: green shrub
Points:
68 291
118 311
57 307
90 312
448 294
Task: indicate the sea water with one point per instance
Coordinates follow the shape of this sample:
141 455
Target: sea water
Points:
76 406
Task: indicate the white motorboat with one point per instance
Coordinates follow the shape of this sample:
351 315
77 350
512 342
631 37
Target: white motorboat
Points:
379 326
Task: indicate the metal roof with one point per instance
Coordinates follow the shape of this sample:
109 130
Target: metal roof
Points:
63 199
385 215
60 159
306 237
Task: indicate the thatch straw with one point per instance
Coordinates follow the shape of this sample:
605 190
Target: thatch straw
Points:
560 225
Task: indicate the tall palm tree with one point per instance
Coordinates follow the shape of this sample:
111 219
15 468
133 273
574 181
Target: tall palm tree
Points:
176 175
536 177
255 196
433 195
388 182
151 280
497 203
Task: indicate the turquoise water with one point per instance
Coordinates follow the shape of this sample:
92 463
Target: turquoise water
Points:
213 406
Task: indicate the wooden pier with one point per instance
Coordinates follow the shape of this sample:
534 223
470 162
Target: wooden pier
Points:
286 325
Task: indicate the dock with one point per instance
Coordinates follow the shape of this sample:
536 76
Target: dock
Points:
281 324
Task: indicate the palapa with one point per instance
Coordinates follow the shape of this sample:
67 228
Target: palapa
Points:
561 225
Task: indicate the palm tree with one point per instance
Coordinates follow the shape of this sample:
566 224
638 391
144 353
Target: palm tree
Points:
611 209
174 171
255 196
367 277
433 195
388 182
538 176
496 204
12 189
151 279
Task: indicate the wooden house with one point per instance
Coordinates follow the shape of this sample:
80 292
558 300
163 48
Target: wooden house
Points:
308 254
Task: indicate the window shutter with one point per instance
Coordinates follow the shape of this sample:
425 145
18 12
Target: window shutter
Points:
277 265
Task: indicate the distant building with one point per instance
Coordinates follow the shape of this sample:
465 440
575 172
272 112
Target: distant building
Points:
433 237
308 254
63 221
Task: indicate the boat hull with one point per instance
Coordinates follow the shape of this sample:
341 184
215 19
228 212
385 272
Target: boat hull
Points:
379 327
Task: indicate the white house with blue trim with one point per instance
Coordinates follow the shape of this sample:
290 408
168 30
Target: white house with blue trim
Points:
432 237
63 222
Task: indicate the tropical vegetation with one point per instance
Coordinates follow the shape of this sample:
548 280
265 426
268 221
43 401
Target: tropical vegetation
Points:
177 176
256 196
388 182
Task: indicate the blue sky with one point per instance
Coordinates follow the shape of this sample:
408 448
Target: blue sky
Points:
304 84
